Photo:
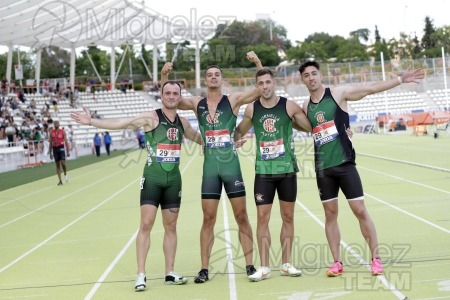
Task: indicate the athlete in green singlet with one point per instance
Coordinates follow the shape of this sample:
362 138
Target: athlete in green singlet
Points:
161 182
273 118
335 156
216 115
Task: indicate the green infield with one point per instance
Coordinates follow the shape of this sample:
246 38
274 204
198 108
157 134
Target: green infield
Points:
77 241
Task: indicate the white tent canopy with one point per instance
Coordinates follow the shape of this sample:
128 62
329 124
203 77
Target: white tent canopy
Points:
76 23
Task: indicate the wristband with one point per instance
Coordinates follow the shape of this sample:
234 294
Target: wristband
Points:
400 80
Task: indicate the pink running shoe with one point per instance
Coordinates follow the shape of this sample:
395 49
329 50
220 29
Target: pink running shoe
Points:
335 270
377 267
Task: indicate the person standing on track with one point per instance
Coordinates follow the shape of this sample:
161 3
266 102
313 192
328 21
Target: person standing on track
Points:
60 145
273 118
217 115
335 156
161 182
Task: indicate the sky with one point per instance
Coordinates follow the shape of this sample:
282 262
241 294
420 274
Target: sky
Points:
330 16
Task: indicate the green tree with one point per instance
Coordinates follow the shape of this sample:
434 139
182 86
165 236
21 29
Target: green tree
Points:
362 34
380 46
100 60
428 41
236 37
25 61
55 63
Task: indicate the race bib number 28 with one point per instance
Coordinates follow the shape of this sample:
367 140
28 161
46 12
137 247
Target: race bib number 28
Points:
217 138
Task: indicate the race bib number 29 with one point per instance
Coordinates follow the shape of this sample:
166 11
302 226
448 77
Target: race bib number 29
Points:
168 153
272 149
325 133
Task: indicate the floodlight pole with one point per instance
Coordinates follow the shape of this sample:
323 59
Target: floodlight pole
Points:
37 73
197 63
112 74
73 56
9 65
155 65
445 79
18 62
385 94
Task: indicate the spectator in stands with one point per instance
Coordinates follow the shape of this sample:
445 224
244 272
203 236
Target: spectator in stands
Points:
326 109
21 96
10 131
124 84
69 132
107 141
25 130
60 149
66 92
141 139
4 86
97 144
12 87
2 131
161 182
45 139
92 83
33 104
55 107
95 115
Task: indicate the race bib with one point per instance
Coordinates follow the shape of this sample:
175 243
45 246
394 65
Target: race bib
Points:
325 133
272 149
217 138
168 153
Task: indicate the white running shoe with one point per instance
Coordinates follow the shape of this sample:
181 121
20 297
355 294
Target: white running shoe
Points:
174 278
67 178
140 284
289 270
261 274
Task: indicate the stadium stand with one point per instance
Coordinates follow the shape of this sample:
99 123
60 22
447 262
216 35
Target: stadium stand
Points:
107 104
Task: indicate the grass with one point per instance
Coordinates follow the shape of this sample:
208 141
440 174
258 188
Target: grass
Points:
26 175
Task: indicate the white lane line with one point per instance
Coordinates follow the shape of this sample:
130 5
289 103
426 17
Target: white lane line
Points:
58 200
229 251
64 228
405 162
408 213
402 210
110 267
362 261
122 252
407 180
29 195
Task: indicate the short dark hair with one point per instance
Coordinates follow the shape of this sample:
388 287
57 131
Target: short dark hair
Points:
213 67
171 82
263 72
309 63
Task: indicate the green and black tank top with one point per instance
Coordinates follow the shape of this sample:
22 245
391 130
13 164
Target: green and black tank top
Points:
275 150
329 122
217 130
164 142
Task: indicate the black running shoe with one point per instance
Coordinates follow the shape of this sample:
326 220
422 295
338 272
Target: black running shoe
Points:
60 183
250 270
202 276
